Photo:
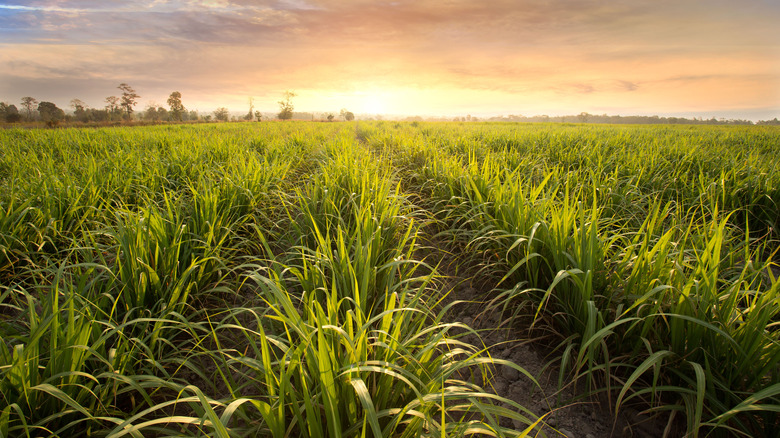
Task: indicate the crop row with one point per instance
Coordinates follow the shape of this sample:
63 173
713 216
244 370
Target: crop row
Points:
267 279
647 251
189 281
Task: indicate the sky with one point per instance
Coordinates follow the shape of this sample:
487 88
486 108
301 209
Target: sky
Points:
705 58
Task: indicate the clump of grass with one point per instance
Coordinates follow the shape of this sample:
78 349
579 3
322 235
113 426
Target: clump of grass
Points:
616 236
160 287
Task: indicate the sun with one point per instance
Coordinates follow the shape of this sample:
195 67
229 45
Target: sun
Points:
373 105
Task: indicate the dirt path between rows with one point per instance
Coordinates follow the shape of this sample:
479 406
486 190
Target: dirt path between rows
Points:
582 419
585 418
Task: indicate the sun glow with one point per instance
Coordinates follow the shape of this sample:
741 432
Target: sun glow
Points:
373 105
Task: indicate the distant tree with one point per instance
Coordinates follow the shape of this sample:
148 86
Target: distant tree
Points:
112 103
193 115
98 115
29 104
50 113
174 103
583 117
129 98
222 114
155 112
330 117
9 113
150 113
79 110
258 116
78 104
286 106
112 107
347 115
250 115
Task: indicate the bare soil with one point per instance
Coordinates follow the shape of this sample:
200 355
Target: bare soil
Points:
566 414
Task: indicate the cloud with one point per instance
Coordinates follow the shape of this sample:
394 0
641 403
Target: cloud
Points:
434 25
533 49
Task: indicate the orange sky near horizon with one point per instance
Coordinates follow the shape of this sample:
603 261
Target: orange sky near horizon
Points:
449 58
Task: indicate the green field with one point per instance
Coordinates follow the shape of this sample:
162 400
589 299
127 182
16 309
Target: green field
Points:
276 279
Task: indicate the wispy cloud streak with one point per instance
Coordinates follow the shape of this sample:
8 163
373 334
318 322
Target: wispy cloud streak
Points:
552 54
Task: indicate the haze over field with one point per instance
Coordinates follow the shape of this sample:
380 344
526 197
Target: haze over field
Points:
688 58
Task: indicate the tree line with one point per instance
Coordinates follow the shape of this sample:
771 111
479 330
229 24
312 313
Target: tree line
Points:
585 117
122 108
117 108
